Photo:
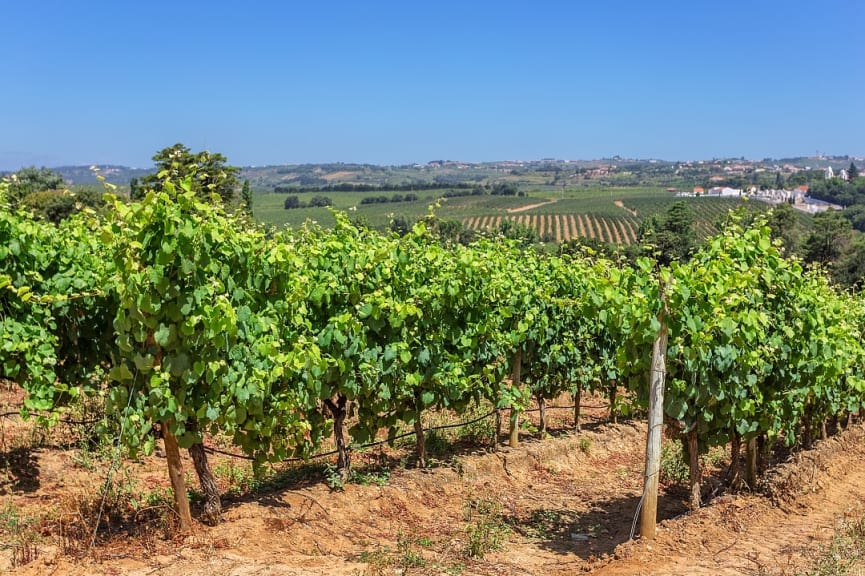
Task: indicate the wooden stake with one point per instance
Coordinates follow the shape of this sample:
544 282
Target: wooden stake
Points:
175 473
649 513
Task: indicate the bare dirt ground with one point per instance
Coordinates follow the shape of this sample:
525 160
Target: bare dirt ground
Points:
562 505
530 206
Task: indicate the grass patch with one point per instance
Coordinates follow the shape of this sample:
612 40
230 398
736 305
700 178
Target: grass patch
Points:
845 554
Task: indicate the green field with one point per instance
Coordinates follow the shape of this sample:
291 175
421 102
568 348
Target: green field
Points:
611 214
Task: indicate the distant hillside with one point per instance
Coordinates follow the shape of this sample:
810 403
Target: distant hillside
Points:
544 174
114 174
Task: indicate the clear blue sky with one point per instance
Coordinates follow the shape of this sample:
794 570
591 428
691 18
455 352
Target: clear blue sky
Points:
400 82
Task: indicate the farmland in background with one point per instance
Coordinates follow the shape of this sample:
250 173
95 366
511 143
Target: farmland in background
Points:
610 214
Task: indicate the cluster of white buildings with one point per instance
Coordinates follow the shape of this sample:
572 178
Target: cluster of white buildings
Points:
798 197
829 174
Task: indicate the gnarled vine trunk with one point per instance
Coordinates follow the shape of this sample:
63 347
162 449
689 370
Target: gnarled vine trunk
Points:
420 440
497 433
751 463
695 476
212 502
734 476
613 393
542 409
515 414
577 394
339 411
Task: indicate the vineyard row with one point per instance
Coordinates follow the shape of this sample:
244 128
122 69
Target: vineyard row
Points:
565 227
184 317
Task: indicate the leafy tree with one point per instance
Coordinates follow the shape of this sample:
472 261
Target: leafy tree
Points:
29 180
51 205
852 171
401 225
856 215
292 202
849 269
246 196
320 202
208 173
785 226
779 181
136 192
828 238
672 236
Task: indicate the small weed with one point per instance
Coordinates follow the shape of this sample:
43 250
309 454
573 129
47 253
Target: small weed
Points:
408 556
424 541
486 528
585 445
384 560
543 522
20 536
90 453
240 478
379 477
333 478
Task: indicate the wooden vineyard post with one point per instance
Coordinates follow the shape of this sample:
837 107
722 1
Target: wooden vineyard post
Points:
175 472
515 415
649 513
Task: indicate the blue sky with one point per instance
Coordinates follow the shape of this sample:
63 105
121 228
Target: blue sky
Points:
401 82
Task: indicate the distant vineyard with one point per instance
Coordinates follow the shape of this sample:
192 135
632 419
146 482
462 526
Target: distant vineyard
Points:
613 225
563 227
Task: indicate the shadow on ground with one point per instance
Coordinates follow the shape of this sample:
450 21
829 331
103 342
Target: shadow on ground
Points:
592 532
19 471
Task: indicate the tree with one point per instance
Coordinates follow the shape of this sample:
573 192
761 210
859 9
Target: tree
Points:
208 172
400 224
29 180
852 171
828 238
320 202
785 226
856 215
779 181
672 235
292 202
136 192
51 205
849 269
246 197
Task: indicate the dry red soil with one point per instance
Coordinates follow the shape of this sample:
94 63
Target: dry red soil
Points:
562 505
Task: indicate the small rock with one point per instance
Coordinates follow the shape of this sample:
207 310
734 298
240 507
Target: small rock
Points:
581 537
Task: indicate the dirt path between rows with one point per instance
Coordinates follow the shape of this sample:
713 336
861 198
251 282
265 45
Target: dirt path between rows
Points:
530 206
621 205
764 534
